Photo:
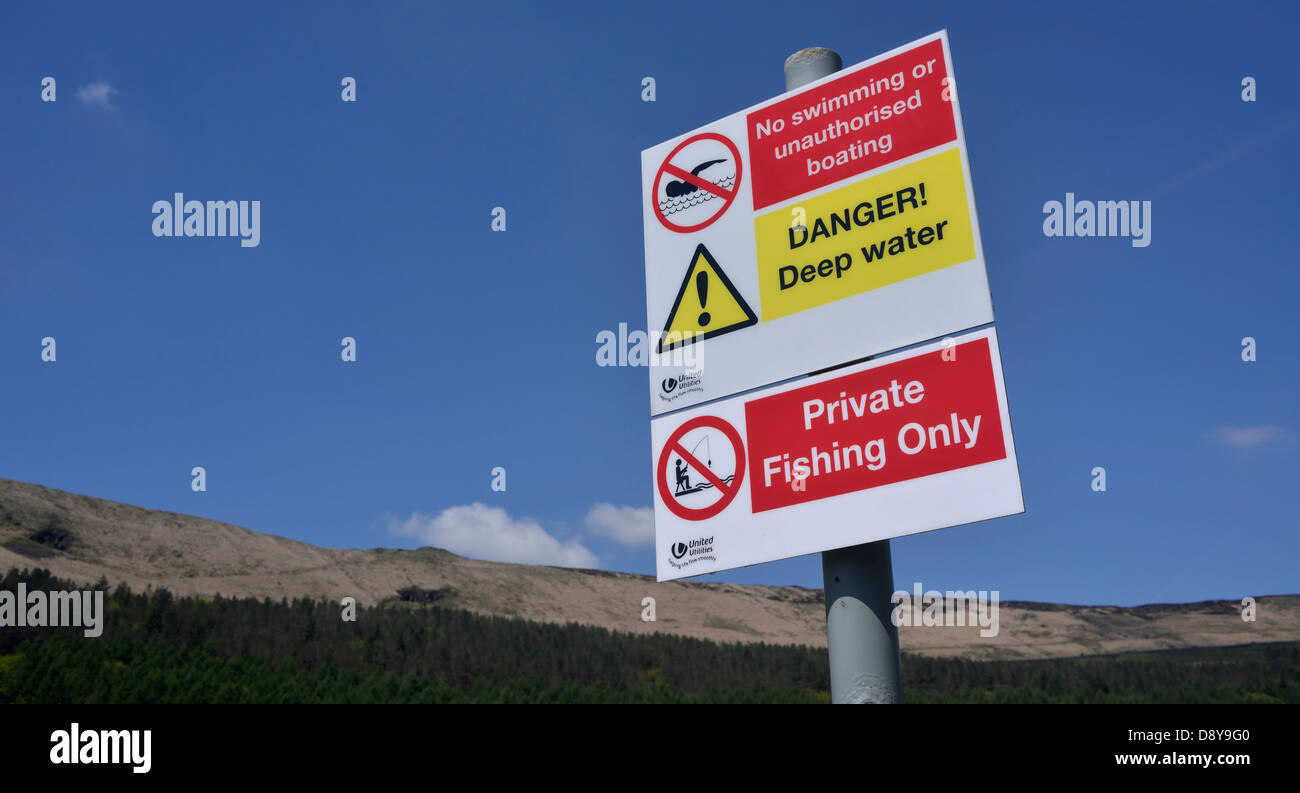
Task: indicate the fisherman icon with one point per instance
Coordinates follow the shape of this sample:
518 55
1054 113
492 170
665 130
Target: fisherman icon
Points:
683 477
701 453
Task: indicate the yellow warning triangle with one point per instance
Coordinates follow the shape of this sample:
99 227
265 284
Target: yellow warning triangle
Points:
707 305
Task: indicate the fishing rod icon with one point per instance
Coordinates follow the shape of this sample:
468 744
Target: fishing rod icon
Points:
682 470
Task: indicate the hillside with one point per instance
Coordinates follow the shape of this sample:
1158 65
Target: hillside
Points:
82 538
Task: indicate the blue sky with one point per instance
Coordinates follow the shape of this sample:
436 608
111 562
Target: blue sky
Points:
477 348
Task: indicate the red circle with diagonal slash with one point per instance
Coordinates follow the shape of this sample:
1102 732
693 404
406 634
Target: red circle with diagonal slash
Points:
728 196
728 491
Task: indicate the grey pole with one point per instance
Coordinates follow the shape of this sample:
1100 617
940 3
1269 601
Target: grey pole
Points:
863 640
859 581
809 64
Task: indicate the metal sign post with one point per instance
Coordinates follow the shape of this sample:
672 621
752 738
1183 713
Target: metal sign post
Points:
859 581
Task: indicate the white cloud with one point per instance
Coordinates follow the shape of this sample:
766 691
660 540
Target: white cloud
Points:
628 525
1248 437
97 94
483 532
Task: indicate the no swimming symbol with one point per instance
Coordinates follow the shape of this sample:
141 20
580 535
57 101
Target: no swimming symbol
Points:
696 183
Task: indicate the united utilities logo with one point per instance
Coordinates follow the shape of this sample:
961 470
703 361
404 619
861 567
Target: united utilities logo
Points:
688 553
689 381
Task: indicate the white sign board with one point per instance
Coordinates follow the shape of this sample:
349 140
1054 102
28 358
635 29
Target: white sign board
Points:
901 444
824 225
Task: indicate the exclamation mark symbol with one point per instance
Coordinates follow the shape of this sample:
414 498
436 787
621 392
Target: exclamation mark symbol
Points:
923 201
702 287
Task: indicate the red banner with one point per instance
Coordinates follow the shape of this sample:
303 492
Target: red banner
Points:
920 416
856 123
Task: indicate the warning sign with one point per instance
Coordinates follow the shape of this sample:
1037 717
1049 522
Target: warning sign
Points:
707 305
843 215
701 468
906 222
906 443
696 183
844 211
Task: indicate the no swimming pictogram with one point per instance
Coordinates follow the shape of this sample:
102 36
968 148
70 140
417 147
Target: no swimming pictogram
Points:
708 459
696 182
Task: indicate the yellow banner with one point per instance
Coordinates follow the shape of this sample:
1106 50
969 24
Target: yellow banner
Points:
907 222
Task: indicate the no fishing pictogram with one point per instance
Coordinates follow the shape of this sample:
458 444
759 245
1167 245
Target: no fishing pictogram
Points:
697 182
673 490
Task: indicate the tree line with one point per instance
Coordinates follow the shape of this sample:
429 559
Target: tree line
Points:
160 648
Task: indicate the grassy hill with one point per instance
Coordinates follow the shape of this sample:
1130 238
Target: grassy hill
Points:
83 539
